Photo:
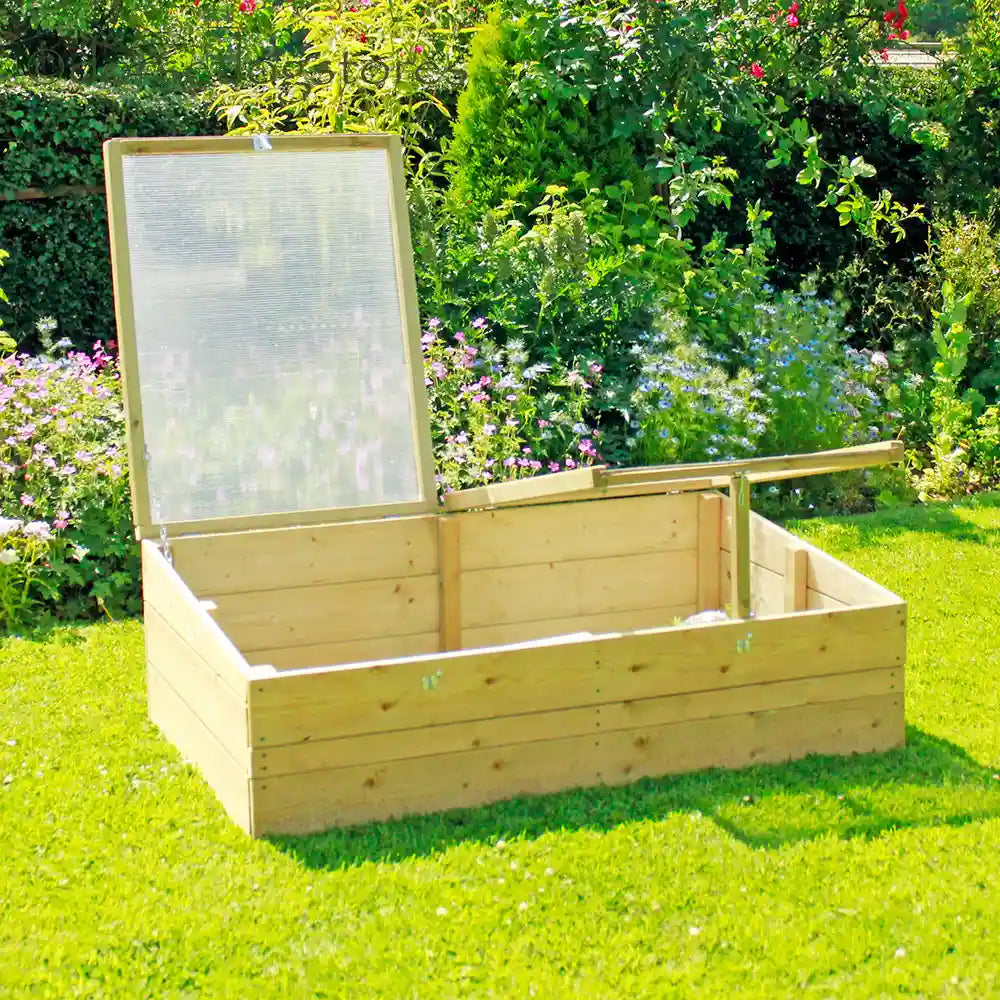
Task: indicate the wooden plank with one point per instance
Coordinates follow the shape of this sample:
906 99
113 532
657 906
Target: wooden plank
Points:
314 800
532 488
450 598
246 561
768 544
571 672
221 710
879 453
324 654
739 534
537 534
165 592
709 510
611 623
399 216
796 572
128 354
227 777
302 616
199 145
578 587
598 720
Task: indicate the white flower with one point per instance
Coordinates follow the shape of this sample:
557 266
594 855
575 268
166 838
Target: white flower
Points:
8 525
8 557
38 529
80 553
879 360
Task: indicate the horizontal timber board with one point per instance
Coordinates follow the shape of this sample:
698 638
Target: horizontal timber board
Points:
325 654
203 690
338 612
524 535
227 777
570 673
595 721
307 556
581 587
828 575
165 592
815 601
314 800
767 589
598 624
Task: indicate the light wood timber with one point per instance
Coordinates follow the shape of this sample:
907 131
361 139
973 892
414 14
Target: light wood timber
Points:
531 488
739 534
796 577
302 556
709 514
223 712
570 672
313 800
597 720
165 592
450 598
303 616
324 654
548 533
227 777
594 624
571 588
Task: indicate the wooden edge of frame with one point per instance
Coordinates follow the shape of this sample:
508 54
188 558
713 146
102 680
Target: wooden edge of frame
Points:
534 488
278 142
710 507
164 590
450 571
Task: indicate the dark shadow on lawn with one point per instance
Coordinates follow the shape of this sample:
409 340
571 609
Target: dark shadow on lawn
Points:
929 783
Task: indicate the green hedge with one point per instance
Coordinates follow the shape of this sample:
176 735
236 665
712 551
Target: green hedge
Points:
51 133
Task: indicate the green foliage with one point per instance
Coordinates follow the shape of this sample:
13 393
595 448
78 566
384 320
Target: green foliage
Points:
375 67
52 135
860 877
66 549
495 416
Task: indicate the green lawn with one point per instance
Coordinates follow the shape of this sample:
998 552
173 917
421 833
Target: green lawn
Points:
869 877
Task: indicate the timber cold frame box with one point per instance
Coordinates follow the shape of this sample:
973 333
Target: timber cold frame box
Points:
329 644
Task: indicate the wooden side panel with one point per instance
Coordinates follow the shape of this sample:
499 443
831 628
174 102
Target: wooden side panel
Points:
570 673
579 587
281 558
312 800
596 721
340 612
227 776
165 591
829 576
386 647
523 536
590 625
710 514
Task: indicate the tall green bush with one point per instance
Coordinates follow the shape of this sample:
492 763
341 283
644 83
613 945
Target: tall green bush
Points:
51 134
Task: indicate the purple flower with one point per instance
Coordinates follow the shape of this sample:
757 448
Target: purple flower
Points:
554 466
27 499
479 323
433 324
460 337
586 447
508 462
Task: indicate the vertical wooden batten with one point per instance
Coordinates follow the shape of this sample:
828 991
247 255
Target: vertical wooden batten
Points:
739 515
796 578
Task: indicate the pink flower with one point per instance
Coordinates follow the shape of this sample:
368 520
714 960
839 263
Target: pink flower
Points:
595 368
248 6
60 523
419 49
792 21
27 499
757 71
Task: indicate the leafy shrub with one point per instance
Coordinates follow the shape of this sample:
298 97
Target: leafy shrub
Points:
496 416
687 407
67 549
52 134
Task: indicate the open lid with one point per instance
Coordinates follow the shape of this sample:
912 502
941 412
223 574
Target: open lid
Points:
268 331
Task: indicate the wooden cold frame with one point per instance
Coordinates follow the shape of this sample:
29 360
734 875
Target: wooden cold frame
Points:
464 713
115 150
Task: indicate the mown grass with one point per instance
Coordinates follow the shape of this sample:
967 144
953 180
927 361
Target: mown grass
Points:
865 877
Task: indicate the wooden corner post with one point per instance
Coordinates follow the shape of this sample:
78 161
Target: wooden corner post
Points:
739 519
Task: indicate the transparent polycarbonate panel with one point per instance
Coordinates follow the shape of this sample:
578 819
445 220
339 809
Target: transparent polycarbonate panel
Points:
269 329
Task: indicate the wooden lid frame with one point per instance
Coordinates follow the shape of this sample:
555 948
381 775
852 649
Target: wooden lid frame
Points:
115 152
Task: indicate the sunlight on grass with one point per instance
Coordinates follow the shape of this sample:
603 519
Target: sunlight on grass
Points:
862 877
